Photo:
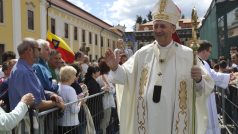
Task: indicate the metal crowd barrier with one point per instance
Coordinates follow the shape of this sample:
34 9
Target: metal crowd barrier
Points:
47 122
227 106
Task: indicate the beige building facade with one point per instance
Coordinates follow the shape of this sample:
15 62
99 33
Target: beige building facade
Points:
79 29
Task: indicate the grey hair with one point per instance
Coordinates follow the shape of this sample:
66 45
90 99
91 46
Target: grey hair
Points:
53 52
43 43
25 44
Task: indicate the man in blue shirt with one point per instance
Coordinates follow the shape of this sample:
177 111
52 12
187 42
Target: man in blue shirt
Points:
24 80
42 68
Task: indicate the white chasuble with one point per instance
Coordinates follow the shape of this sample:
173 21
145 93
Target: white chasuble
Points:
138 113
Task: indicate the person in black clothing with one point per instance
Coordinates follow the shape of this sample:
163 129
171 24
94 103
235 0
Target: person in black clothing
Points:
94 104
77 86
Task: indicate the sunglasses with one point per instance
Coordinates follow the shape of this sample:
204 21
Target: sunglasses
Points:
37 48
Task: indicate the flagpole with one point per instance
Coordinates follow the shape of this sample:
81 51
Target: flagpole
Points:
194 45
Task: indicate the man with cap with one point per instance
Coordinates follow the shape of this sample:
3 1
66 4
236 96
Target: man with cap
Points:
157 79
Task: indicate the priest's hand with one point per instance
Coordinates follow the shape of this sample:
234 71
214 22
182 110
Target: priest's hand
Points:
196 73
111 59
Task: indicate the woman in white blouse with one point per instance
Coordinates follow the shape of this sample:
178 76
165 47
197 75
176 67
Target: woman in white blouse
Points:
69 121
108 99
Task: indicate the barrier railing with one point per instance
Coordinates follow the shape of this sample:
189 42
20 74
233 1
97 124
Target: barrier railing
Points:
227 105
88 120
48 122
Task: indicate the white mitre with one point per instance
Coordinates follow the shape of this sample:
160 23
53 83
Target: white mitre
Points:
166 10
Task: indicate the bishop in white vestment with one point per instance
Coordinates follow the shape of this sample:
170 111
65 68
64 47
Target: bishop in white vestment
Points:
156 96
138 112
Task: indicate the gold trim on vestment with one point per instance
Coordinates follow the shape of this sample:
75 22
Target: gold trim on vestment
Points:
182 107
141 128
161 16
163 4
143 81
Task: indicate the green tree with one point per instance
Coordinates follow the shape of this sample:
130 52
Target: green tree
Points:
144 21
149 16
139 19
183 16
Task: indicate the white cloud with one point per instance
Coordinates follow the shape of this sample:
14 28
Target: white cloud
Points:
81 5
124 12
186 6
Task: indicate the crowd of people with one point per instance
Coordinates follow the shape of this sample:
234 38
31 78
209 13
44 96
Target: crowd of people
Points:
41 75
156 90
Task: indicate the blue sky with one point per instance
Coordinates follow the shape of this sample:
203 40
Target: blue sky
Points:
124 12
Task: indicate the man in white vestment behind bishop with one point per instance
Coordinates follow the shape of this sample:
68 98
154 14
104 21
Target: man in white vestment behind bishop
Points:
156 96
221 80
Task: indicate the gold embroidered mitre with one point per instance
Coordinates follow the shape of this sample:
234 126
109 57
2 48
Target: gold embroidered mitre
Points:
166 10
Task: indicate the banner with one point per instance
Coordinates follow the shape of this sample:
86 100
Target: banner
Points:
61 46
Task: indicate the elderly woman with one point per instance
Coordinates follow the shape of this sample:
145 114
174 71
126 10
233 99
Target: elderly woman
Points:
69 121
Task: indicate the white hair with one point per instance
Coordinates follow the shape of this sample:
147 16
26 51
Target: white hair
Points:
43 43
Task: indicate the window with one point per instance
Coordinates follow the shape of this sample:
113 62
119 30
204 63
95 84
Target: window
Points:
1 51
75 33
113 45
90 57
52 25
96 39
30 17
1 11
101 41
96 57
90 37
83 35
66 30
108 42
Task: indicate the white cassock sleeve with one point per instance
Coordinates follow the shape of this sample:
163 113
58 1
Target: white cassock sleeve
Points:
118 76
221 79
9 120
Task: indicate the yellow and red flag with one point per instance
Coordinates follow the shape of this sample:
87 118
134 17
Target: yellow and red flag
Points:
61 46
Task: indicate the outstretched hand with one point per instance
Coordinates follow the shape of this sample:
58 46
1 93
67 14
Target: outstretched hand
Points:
28 99
111 59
